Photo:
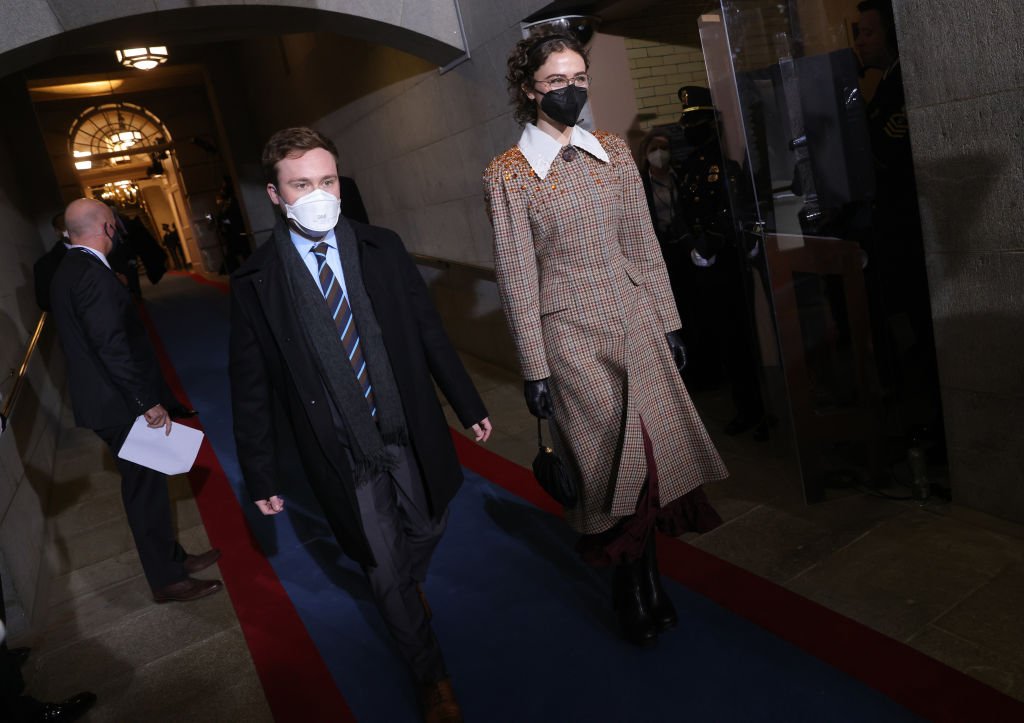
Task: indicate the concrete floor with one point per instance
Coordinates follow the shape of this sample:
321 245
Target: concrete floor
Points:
145 662
942 579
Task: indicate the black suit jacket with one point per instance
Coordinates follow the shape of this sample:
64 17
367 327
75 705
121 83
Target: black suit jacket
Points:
279 399
113 372
44 269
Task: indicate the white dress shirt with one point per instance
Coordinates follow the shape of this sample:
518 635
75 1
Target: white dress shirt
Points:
540 149
93 251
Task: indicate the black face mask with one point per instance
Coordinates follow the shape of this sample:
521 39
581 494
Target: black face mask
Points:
114 234
565 104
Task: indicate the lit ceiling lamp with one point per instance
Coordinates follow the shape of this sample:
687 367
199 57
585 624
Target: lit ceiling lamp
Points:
142 58
84 165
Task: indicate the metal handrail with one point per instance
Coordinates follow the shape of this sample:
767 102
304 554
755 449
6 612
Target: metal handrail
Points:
19 378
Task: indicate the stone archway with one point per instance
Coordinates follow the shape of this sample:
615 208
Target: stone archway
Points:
36 30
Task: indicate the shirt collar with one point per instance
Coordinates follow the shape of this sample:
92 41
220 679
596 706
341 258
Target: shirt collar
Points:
304 245
540 149
93 251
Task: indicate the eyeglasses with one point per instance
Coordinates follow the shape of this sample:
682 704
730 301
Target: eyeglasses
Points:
557 82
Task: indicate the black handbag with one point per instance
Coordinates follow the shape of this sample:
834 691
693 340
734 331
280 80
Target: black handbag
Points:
553 475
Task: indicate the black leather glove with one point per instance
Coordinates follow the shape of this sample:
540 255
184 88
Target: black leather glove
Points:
678 348
538 398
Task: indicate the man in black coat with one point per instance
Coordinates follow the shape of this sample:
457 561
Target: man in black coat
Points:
335 344
114 377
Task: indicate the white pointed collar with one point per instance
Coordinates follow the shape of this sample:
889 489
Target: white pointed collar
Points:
540 149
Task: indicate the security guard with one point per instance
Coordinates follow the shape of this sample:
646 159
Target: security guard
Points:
722 279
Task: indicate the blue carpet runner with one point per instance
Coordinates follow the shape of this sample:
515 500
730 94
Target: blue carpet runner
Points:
526 628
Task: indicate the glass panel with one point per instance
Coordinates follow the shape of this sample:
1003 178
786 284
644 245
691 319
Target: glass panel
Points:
825 204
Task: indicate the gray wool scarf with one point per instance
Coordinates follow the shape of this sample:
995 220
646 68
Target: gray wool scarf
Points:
368 438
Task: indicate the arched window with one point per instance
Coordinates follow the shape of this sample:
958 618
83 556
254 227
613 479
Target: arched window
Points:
110 128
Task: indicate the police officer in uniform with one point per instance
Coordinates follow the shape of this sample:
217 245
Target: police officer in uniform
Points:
722 282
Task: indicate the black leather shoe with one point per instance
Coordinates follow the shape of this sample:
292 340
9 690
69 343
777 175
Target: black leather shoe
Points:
186 590
635 620
195 563
438 703
662 611
67 710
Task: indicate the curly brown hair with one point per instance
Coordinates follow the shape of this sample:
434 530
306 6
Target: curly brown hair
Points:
292 142
528 55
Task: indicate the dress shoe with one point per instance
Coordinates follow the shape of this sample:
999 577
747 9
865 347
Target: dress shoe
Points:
186 590
662 611
635 621
195 563
67 710
438 703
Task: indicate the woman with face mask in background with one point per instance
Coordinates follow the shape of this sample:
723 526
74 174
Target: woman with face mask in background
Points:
590 309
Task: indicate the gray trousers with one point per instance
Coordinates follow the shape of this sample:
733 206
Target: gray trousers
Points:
403 535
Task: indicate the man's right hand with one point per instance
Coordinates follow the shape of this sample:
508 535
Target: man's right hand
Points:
272 506
158 417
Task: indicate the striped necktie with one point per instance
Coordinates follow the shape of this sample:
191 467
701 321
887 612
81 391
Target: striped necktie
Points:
337 304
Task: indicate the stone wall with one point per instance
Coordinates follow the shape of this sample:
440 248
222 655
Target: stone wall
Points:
28 446
964 75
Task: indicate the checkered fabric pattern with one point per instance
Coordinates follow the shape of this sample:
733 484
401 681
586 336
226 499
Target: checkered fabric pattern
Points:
345 321
588 302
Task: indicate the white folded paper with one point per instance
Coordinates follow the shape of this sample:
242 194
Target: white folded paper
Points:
173 453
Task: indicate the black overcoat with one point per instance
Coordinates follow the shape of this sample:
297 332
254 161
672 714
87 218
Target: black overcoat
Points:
279 399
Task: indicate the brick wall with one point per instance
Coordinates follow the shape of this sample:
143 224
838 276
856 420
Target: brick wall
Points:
663 44
658 70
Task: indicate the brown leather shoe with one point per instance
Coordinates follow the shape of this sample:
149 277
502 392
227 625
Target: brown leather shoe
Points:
186 590
195 563
423 601
438 704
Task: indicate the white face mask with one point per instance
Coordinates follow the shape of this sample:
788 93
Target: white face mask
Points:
317 211
658 158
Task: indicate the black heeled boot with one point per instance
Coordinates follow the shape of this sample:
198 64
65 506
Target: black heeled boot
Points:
631 604
659 605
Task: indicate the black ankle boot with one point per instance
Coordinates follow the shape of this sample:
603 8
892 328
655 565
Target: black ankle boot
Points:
630 602
659 605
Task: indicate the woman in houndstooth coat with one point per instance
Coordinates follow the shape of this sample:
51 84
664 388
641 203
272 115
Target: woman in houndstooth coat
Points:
588 302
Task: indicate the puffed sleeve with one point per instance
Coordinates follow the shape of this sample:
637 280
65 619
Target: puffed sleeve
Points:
515 267
639 243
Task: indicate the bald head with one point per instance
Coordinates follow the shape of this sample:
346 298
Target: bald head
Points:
88 220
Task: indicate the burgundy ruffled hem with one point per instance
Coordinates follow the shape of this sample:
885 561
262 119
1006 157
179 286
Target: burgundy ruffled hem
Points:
627 539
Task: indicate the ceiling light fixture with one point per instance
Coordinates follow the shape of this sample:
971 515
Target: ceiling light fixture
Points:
83 165
142 58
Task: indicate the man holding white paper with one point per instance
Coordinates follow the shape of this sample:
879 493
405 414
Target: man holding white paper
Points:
114 378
